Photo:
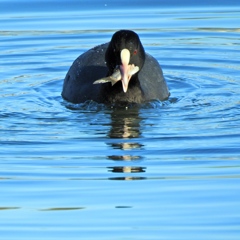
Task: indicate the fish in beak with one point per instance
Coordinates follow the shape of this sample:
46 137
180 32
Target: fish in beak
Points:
123 73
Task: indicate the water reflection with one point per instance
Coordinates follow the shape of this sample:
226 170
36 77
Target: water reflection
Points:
124 157
126 145
127 178
127 169
125 123
125 126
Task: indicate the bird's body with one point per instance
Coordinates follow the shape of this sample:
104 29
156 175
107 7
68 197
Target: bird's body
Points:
124 53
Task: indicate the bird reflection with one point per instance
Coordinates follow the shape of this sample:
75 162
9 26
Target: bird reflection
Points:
124 157
126 145
125 123
125 126
127 169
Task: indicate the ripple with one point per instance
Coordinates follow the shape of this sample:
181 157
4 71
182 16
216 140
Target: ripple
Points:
58 158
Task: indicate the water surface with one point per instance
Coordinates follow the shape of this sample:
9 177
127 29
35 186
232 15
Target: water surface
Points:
162 170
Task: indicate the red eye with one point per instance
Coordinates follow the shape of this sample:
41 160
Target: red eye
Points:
135 52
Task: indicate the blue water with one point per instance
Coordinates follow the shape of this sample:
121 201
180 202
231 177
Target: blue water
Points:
162 170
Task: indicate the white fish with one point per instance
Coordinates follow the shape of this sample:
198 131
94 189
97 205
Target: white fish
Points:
116 76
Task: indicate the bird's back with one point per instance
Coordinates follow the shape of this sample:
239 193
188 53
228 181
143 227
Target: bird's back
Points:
90 66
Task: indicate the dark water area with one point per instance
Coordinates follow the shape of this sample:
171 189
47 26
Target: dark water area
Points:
160 170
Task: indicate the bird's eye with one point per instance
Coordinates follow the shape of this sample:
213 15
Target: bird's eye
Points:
135 52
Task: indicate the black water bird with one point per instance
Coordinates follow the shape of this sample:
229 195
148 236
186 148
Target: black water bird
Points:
116 72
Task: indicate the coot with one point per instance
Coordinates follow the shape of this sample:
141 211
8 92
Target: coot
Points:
137 75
